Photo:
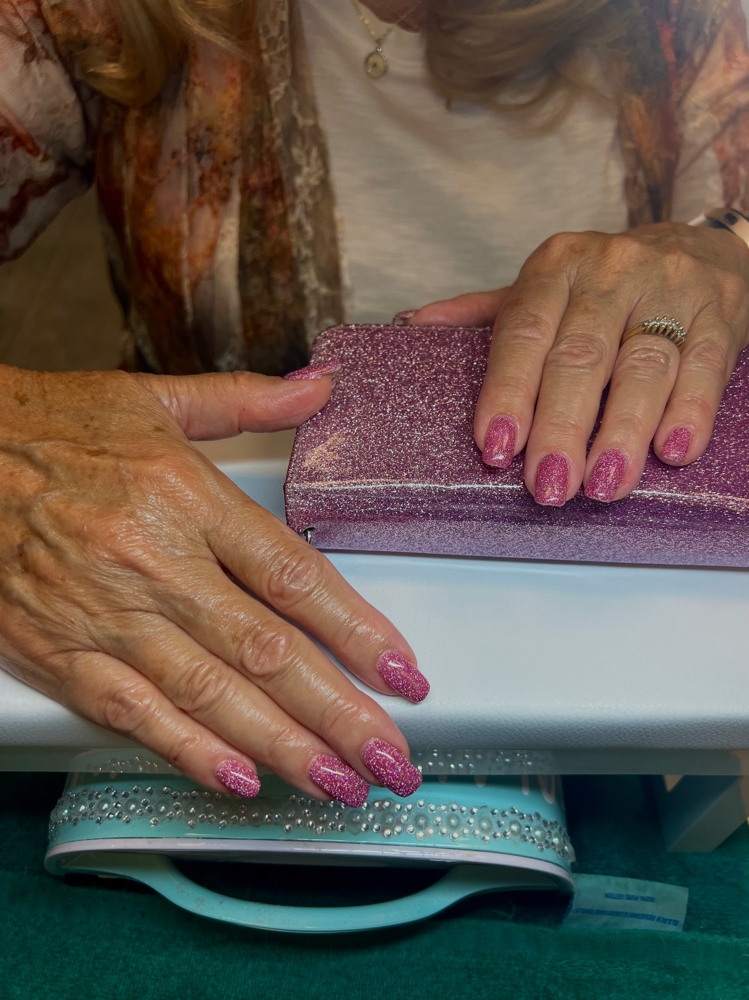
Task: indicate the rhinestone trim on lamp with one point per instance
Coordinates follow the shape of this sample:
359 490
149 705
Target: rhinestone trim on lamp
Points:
417 821
429 761
478 762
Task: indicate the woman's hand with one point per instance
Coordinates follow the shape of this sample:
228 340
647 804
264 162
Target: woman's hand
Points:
556 341
116 537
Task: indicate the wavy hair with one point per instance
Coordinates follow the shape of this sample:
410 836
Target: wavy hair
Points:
476 50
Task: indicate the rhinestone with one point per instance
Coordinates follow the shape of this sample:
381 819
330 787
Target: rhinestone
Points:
515 828
154 822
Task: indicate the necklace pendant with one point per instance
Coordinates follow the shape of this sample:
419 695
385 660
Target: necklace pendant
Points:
376 64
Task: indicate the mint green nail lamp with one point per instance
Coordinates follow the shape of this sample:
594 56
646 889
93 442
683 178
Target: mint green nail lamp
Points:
488 833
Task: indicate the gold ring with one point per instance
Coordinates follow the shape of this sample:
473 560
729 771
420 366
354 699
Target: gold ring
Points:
658 327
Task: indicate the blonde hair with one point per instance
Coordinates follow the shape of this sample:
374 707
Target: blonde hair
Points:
475 49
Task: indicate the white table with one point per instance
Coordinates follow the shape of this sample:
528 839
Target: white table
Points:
535 667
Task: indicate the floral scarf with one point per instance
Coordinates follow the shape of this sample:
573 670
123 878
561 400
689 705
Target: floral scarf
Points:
227 131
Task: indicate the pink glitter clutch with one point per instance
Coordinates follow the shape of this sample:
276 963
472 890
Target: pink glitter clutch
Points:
390 465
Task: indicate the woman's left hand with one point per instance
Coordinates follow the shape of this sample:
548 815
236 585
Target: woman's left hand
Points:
556 346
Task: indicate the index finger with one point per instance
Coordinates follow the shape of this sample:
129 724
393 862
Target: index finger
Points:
299 582
524 333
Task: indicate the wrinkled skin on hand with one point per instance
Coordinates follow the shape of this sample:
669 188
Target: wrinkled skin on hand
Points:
556 346
117 539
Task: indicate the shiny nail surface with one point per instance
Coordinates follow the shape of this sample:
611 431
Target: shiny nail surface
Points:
339 780
238 778
552 477
402 318
391 767
499 444
607 475
316 370
677 444
402 676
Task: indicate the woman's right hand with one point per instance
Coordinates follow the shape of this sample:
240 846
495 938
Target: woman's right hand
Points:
116 538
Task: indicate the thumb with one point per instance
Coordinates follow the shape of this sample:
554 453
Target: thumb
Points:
224 404
473 309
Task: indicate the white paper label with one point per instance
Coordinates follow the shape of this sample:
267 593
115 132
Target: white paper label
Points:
605 901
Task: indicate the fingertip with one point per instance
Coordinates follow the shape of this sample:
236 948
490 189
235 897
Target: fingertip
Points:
314 371
606 476
402 676
552 480
675 449
238 778
499 442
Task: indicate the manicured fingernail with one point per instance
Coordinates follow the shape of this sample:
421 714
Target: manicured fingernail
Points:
391 767
499 445
339 780
607 475
677 444
402 676
552 477
316 370
238 778
402 318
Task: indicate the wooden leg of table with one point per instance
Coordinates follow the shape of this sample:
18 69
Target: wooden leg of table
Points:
701 810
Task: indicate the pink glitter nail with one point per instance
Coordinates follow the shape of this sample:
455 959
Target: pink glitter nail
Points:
552 477
238 778
402 676
677 444
339 780
391 767
316 370
607 475
499 444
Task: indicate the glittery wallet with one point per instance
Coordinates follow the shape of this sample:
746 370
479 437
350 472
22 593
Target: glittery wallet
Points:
390 465
494 833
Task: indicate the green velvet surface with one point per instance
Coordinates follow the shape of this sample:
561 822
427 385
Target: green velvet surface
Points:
80 938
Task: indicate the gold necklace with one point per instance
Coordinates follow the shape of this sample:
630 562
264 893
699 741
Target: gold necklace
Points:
376 64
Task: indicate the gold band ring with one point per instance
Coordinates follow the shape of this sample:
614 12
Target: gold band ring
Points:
658 327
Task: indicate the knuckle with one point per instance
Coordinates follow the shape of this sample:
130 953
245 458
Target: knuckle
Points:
341 715
266 652
733 288
201 688
710 356
564 427
527 329
675 261
583 352
701 409
648 361
127 709
351 633
279 747
183 750
293 575
563 245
